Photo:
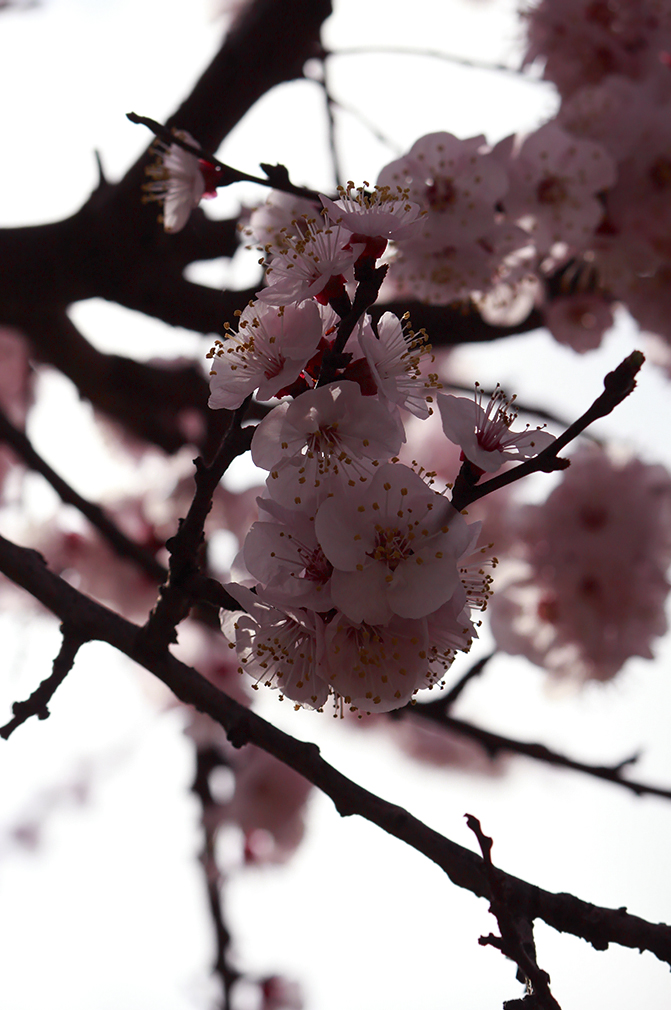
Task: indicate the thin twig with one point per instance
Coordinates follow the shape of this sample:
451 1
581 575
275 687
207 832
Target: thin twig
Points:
277 176
116 538
330 119
37 704
495 743
447 700
207 759
618 384
435 54
176 595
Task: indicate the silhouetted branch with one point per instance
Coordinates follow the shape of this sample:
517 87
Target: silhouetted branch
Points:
37 704
495 743
176 596
208 759
514 939
124 546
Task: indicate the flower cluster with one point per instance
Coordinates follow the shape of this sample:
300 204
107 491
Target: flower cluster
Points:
593 586
360 579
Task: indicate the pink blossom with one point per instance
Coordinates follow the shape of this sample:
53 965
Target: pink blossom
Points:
457 182
385 213
554 179
277 646
268 804
267 353
327 437
285 556
315 265
484 433
450 272
579 320
397 358
394 545
375 668
281 994
582 41
279 218
595 586
180 180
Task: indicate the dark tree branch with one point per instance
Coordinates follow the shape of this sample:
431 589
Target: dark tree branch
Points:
92 621
494 744
207 759
37 704
276 176
117 386
447 700
176 596
113 247
124 546
512 941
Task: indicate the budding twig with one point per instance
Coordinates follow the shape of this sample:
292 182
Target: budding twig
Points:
277 176
618 384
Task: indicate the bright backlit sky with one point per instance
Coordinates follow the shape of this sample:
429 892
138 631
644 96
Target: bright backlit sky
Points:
109 911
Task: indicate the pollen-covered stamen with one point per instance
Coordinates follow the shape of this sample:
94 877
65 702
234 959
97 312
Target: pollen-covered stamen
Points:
493 432
374 216
475 574
317 566
391 546
251 342
397 357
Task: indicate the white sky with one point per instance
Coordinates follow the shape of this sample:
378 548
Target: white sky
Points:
109 912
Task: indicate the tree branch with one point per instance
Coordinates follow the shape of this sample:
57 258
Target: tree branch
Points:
564 912
494 743
37 704
116 538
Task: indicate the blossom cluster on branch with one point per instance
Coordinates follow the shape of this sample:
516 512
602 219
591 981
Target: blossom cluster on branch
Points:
363 565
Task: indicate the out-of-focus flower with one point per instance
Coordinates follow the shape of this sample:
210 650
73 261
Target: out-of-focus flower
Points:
582 41
268 804
579 320
554 180
594 585
281 994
